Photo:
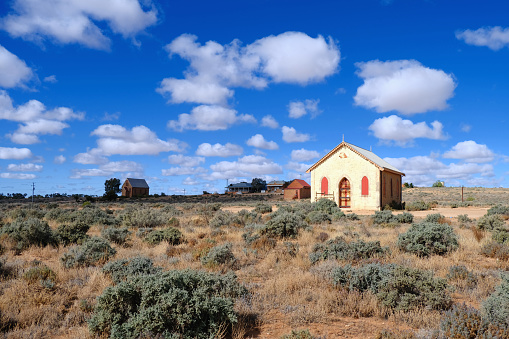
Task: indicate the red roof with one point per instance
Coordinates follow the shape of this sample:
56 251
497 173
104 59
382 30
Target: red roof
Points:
298 183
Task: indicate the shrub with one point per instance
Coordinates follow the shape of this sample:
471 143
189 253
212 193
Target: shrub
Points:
427 238
245 217
326 205
363 278
299 334
73 233
464 219
318 217
169 234
41 274
338 215
123 269
461 274
500 235
173 304
352 216
405 218
384 217
263 208
142 217
219 255
89 216
338 248
93 251
490 222
26 213
417 206
462 322
31 231
116 235
284 225
496 306
499 209
225 218
435 217
495 250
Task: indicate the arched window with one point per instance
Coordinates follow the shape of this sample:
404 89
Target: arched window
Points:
365 186
344 193
325 186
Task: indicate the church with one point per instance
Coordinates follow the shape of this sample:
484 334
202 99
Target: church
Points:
355 178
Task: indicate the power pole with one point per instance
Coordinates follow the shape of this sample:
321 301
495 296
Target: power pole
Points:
33 192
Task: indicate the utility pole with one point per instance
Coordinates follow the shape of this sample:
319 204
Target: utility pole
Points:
33 192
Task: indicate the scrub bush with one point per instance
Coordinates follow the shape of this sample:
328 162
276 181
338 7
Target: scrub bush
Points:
26 213
384 217
338 215
338 248
496 307
24 233
461 274
499 209
41 274
116 235
219 255
500 235
74 233
352 216
318 217
93 251
435 217
263 208
417 206
169 234
284 225
88 216
489 222
124 269
326 205
495 250
363 278
427 238
225 218
142 217
173 304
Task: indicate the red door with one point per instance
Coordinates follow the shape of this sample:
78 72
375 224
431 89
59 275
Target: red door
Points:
325 186
344 193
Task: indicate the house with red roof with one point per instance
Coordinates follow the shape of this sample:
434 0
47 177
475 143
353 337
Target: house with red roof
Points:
298 189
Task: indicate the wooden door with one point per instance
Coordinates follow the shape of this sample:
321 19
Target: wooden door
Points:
344 193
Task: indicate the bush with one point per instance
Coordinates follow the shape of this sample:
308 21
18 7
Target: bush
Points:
93 251
464 219
245 217
116 235
461 274
352 216
74 233
88 216
41 274
417 206
462 322
496 306
500 235
326 205
435 217
384 217
123 269
405 218
263 208
219 255
318 217
173 304
24 233
499 209
225 218
284 225
338 248
26 213
299 334
169 234
427 238
364 278
495 250
142 217
338 215
490 222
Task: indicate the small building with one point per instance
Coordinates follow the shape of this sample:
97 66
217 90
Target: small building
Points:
355 178
297 189
241 187
135 188
276 186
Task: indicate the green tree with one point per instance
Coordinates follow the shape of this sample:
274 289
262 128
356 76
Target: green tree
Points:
111 188
438 183
258 184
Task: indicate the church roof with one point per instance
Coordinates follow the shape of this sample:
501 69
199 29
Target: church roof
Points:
138 182
368 155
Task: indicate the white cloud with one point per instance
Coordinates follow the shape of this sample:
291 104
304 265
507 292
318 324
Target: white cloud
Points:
304 155
190 181
127 167
218 150
90 157
24 168
298 166
209 118
291 135
14 71
470 151
494 38
182 171
35 119
21 176
269 121
215 69
297 109
259 141
405 86
59 159
185 161
247 166
76 21
15 153
51 79
403 131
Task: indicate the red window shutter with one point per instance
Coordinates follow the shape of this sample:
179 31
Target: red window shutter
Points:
365 186
325 186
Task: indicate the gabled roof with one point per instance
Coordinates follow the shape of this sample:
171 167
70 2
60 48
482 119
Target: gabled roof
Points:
240 185
368 155
276 183
298 183
140 183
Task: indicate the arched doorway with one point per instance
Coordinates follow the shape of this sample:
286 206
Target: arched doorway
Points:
344 193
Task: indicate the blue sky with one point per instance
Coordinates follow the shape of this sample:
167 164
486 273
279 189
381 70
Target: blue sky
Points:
191 94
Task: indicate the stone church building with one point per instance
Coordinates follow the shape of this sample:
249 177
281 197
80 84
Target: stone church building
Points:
355 178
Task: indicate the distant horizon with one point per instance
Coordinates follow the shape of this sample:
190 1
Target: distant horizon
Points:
189 95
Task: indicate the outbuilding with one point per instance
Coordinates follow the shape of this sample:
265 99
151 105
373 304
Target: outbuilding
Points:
355 178
297 189
135 187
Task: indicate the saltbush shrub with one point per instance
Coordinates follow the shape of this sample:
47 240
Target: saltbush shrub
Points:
117 236
74 233
26 213
93 251
463 321
352 216
338 215
142 217
326 205
384 217
496 307
263 208
225 218
495 250
124 269
32 231
219 255
499 209
435 217
463 219
284 225
417 206
490 222
89 216
363 278
338 248
500 235
173 304
460 273
405 218
318 217
427 238
169 234
299 334
42 275
245 217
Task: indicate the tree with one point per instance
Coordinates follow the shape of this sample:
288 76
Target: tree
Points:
408 185
111 188
257 185
438 183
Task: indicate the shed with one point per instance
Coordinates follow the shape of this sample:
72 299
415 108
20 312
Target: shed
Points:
297 189
134 187
355 178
